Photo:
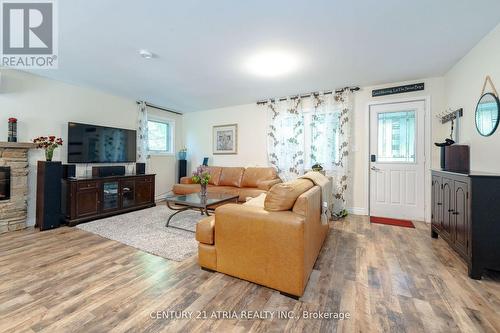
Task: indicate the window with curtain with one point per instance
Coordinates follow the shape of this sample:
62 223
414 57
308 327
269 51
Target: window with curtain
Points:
160 137
320 136
306 131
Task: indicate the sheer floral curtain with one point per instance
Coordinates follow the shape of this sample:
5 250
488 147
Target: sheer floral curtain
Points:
286 137
142 134
306 131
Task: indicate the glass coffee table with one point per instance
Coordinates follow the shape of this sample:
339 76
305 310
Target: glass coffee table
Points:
181 203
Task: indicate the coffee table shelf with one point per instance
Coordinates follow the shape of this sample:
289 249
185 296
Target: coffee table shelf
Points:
195 201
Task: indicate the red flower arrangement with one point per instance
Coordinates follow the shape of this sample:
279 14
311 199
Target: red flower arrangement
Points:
49 143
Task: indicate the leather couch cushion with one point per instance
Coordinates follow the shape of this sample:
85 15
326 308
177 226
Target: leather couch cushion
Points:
214 175
252 176
180 189
223 189
283 196
186 180
267 184
231 176
249 192
205 230
257 201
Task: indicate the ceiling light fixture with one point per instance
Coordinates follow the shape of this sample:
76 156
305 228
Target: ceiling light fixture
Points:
145 54
272 63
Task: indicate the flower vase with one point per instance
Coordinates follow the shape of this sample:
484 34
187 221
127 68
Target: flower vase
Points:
12 130
203 190
49 153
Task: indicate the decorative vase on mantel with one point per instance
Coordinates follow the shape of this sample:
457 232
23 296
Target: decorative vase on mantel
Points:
12 130
49 144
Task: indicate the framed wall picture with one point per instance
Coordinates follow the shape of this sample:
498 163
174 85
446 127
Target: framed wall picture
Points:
225 139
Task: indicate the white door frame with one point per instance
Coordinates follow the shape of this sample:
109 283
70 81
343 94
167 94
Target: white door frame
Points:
427 147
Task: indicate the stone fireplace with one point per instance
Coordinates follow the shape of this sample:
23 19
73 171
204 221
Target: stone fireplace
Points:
13 185
4 183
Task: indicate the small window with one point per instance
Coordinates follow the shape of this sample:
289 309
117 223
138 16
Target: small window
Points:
396 137
160 137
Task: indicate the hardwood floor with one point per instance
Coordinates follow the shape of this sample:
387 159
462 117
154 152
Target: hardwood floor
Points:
387 278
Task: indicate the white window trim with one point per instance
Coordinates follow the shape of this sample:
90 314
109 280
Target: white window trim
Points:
171 123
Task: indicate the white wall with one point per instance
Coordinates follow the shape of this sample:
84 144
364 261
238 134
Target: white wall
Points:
44 107
252 126
463 89
251 122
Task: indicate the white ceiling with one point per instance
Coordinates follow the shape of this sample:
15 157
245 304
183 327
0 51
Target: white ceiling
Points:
202 46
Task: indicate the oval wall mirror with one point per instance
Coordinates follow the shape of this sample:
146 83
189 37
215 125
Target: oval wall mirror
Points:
487 111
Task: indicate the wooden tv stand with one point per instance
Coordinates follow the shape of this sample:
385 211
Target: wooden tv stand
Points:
86 199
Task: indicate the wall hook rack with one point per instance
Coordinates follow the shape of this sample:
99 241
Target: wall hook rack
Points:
450 115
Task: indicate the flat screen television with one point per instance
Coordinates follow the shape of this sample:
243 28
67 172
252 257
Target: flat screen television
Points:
100 144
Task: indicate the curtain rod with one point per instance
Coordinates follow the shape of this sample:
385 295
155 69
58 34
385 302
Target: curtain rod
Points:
159 107
309 95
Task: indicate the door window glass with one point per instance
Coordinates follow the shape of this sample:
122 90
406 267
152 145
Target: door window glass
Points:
396 136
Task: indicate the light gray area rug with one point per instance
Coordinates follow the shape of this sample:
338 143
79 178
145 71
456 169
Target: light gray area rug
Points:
145 230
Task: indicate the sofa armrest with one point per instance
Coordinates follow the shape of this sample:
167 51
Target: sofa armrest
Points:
186 180
205 230
267 184
263 247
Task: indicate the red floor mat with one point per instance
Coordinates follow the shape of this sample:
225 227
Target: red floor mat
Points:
389 221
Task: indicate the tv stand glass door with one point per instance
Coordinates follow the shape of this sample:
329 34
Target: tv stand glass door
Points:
110 196
128 193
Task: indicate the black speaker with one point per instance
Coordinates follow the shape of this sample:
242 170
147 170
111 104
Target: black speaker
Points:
48 195
182 169
68 171
140 168
108 171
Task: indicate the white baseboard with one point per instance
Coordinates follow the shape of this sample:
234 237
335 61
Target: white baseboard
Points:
357 211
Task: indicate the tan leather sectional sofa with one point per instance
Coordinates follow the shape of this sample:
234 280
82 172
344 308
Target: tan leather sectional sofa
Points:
272 240
244 182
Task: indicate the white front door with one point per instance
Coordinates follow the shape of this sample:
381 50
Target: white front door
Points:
397 160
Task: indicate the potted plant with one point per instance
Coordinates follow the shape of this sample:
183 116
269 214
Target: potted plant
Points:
201 176
317 167
49 143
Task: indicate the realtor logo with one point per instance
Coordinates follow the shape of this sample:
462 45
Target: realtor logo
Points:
29 34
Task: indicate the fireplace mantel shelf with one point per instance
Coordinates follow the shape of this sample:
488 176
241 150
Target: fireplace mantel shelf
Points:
19 145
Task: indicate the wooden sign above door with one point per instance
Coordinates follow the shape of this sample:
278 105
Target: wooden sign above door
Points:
398 89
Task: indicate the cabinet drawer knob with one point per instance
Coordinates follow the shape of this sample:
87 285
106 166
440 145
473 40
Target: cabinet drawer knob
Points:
450 210
439 204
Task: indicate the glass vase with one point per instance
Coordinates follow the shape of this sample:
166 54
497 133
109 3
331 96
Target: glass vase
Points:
49 153
203 190
12 131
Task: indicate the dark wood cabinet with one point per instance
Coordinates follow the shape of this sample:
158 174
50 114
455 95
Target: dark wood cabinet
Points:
87 202
144 190
447 208
437 202
466 214
460 218
92 198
